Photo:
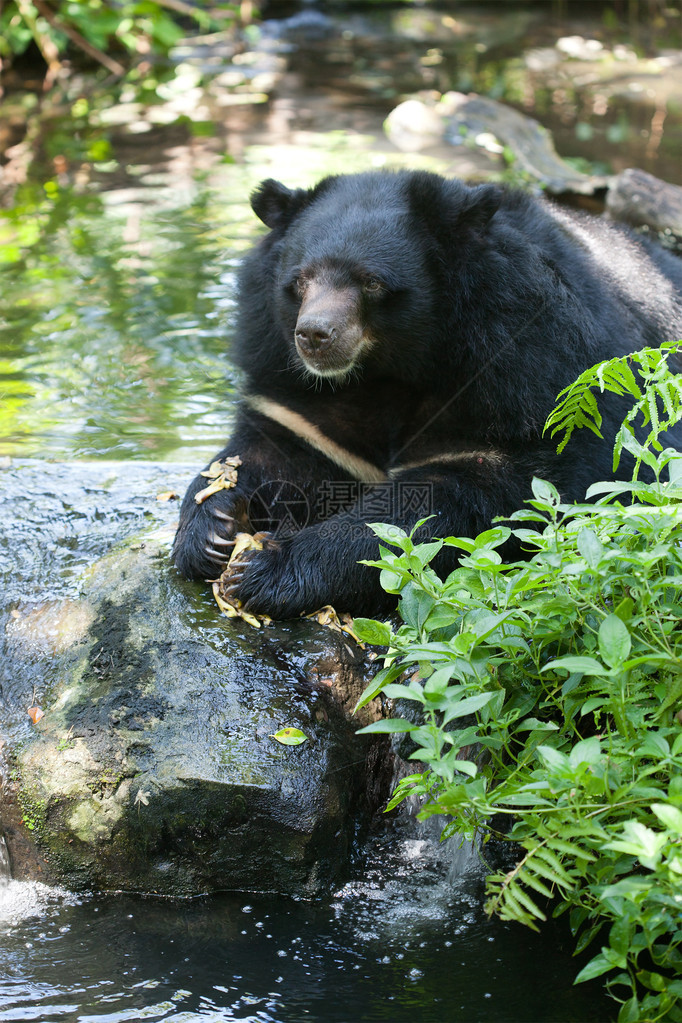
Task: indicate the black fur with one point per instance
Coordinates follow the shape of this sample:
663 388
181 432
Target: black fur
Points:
447 319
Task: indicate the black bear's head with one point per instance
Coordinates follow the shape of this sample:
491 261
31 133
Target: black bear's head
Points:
359 267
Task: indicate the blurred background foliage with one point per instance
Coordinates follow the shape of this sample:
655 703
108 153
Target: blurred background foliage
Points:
118 33
107 31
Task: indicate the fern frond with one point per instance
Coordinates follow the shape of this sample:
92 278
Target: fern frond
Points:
509 892
577 406
577 410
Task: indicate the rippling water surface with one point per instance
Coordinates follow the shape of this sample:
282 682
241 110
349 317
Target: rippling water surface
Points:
402 941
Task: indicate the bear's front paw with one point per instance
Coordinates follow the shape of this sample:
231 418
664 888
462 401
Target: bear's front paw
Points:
266 583
205 536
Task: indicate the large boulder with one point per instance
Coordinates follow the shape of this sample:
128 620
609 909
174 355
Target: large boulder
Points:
154 767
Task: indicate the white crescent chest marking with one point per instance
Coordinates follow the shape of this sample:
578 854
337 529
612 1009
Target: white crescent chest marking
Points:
312 435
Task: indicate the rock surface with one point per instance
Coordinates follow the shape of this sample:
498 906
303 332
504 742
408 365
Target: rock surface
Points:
154 768
642 200
415 124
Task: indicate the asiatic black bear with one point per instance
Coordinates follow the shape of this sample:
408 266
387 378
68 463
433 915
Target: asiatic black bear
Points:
403 338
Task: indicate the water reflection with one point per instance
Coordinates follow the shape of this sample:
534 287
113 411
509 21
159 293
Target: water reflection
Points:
120 248
115 333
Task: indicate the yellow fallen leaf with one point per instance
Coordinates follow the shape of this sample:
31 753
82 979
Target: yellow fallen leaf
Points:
218 468
243 542
329 617
223 476
230 606
167 495
35 714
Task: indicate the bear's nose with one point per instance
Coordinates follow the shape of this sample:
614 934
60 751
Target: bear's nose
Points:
314 335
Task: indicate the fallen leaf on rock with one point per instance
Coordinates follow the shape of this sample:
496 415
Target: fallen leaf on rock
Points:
167 495
223 476
230 606
35 714
331 619
290 736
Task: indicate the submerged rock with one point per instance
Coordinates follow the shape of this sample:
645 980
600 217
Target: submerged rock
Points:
154 767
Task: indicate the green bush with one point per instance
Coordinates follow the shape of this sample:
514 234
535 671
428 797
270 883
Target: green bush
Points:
551 697
97 27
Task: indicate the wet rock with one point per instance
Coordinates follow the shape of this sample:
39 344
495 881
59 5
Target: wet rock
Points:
154 768
302 27
642 200
578 48
413 126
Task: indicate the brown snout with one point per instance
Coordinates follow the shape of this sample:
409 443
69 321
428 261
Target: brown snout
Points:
328 326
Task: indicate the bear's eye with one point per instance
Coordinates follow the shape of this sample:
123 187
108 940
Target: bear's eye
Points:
372 286
296 287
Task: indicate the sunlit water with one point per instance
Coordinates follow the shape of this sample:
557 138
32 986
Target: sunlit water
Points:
116 313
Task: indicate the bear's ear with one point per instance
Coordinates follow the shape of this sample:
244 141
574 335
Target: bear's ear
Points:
480 206
275 204
444 204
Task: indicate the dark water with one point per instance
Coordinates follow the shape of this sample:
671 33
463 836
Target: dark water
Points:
118 255
402 942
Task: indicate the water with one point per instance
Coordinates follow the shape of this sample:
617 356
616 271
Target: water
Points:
119 258
400 941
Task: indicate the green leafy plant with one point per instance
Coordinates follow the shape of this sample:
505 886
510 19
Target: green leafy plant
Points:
658 388
550 693
97 27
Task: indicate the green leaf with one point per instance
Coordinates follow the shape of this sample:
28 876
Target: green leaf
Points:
595 968
426 552
400 692
469 705
392 535
614 640
382 678
392 582
290 736
545 493
630 1011
632 888
587 751
439 681
388 725
583 665
670 816
651 980
369 631
640 841
415 605
590 546
554 759
620 935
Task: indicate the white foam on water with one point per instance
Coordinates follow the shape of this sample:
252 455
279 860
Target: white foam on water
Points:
20 900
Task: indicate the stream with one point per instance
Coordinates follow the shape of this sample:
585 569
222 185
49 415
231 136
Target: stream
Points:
119 250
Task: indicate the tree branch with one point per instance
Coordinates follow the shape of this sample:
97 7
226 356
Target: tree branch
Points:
109 63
